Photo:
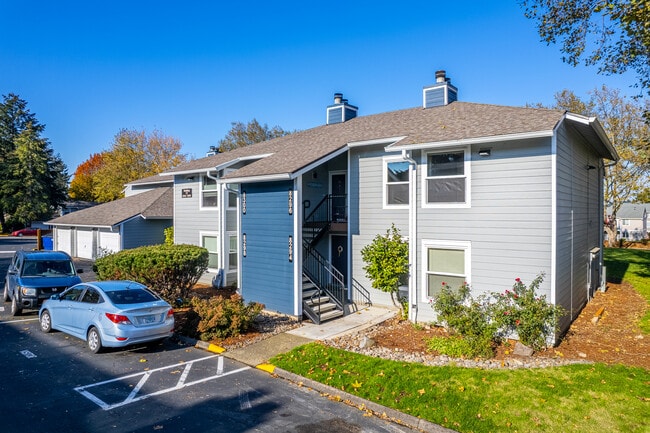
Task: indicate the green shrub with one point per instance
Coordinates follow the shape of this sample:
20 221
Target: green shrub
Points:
169 235
222 317
471 318
170 270
483 323
528 314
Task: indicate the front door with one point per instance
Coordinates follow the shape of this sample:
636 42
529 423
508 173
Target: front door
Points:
338 189
339 254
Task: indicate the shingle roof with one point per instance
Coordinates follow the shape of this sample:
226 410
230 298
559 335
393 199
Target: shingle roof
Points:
156 179
155 204
453 122
632 210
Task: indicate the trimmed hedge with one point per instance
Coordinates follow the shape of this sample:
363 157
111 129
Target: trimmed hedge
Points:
169 270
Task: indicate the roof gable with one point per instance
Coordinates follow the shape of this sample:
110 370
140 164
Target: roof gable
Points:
154 204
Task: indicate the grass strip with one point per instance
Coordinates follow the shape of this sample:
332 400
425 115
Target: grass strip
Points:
574 398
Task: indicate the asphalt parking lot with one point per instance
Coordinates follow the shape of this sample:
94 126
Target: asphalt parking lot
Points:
53 383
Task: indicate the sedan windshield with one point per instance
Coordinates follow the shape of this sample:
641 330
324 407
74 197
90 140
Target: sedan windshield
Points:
131 296
47 268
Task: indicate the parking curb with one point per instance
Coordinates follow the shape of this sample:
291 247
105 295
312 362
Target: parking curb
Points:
333 394
378 410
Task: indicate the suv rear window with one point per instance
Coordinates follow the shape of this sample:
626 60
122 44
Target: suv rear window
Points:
131 296
47 268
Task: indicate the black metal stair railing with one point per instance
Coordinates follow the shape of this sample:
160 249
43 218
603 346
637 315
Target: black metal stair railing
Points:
323 275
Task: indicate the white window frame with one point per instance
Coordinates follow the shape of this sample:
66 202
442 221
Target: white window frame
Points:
216 190
385 203
467 176
465 246
230 235
219 255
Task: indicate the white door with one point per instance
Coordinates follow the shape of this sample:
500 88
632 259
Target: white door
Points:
63 240
109 242
85 244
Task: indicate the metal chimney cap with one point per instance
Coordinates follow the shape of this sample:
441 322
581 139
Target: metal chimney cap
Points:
338 97
441 76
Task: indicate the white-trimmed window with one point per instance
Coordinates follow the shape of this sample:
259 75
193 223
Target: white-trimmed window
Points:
210 241
232 199
445 262
209 193
396 183
232 252
446 180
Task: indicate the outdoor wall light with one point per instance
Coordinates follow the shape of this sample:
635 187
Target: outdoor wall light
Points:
484 152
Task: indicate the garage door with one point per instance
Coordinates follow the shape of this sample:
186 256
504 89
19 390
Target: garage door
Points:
85 244
109 242
63 238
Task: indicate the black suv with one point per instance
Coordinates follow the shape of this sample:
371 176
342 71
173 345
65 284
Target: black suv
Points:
34 276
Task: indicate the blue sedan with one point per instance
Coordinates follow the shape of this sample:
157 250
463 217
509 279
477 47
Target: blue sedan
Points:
108 314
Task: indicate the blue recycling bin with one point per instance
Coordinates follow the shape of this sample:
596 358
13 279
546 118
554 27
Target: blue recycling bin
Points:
48 243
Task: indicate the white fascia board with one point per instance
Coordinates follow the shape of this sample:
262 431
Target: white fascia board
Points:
598 129
388 141
251 179
63 225
469 141
193 171
241 159
319 162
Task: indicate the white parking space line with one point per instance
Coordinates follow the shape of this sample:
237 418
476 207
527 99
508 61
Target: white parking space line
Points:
18 320
135 395
7 252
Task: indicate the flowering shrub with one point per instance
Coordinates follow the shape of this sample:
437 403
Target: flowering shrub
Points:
471 318
522 311
484 323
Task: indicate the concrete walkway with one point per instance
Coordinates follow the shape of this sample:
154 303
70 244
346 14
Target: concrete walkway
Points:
262 351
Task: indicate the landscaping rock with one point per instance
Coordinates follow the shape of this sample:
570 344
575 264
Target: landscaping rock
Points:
366 342
522 350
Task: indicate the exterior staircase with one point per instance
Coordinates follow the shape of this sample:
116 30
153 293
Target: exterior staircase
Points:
324 289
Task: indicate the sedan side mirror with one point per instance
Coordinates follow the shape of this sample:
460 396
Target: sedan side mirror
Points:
55 297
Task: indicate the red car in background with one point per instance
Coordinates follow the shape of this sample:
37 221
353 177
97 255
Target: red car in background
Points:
24 232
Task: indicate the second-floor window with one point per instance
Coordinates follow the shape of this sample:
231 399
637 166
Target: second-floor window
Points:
209 192
446 178
396 183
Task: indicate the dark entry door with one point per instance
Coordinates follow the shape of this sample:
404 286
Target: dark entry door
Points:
339 253
339 199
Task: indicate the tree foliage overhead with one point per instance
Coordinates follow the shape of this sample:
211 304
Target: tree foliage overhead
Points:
241 135
132 156
33 180
82 186
612 35
623 122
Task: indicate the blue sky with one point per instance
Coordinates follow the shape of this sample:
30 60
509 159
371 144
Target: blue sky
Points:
88 69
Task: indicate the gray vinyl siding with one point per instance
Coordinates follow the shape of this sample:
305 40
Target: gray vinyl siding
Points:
189 219
509 222
578 220
366 216
139 232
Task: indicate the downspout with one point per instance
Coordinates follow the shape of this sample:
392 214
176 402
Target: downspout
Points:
413 303
222 227
239 252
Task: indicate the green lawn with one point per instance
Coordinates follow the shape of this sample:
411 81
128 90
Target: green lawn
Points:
575 398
